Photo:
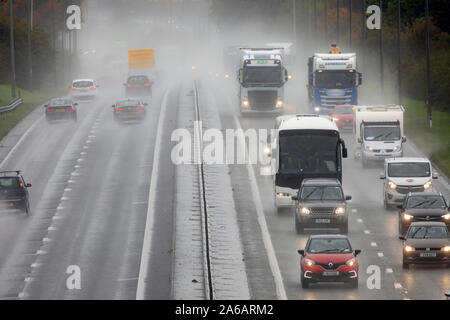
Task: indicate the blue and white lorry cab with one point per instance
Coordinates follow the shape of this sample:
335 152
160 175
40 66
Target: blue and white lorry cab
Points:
333 79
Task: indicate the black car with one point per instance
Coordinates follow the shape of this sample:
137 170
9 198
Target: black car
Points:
61 108
14 191
129 109
321 203
138 85
422 206
426 243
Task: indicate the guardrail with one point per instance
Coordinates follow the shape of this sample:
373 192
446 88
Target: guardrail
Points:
11 106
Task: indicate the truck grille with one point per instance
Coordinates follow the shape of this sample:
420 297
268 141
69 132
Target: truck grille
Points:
262 100
332 101
408 189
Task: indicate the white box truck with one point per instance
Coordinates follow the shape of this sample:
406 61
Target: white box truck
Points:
378 132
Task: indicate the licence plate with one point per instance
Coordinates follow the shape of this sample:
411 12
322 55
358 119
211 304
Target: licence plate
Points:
10 204
60 110
330 273
323 220
428 254
83 90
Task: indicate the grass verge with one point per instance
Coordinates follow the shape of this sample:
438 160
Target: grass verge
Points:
436 141
30 101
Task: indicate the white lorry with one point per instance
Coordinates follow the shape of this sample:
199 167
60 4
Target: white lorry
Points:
378 132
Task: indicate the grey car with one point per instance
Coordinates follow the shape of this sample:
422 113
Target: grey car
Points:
321 203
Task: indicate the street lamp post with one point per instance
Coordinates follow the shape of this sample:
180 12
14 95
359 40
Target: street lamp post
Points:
13 60
29 27
428 102
399 53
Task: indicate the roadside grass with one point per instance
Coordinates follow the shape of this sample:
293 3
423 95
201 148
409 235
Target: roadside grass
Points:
30 101
436 141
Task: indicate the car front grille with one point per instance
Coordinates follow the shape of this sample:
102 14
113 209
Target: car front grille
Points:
408 189
327 266
262 100
322 210
428 249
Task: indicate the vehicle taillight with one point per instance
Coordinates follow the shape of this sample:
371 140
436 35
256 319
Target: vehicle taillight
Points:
70 108
119 109
92 88
140 108
147 84
73 89
128 84
48 109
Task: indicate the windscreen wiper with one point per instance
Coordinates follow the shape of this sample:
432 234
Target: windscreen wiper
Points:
419 204
309 194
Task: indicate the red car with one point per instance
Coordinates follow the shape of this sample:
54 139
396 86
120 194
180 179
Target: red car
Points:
343 117
328 258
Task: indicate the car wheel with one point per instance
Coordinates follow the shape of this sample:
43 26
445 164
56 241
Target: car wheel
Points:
405 265
385 203
304 282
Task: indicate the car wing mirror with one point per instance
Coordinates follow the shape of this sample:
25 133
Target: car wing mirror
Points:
28 185
301 252
348 197
357 251
402 238
382 176
359 140
404 139
435 176
113 106
45 105
344 153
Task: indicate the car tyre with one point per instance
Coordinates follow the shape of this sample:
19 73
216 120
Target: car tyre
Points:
304 282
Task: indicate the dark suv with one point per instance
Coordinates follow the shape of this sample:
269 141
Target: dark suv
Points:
422 206
61 108
320 203
14 191
137 86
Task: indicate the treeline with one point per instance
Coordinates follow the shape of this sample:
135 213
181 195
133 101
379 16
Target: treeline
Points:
316 23
46 42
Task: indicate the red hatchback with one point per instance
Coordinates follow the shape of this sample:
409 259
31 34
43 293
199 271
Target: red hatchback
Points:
343 117
328 258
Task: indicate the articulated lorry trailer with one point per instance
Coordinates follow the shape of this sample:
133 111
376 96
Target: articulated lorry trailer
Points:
262 76
333 79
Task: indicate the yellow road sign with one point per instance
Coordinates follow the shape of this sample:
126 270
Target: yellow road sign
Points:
141 58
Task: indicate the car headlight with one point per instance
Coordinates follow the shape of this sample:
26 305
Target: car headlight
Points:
446 249
446 216
305 210
392 185
407 216
397 148
309 262
316 109
409 249
427 185
351 262
283 194
369 149
339 210
279 104
245 103
335 119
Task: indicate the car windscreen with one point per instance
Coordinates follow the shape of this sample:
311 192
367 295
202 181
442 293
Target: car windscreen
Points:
9 182
348 110
82 84
427 232
428 202
309 193
137 79
329 245
262 75
382 133
308 153
409 169
60 102
335 79
128 103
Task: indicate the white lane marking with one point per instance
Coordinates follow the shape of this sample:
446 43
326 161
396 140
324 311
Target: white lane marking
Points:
367 231
389 270
41 252
380 254
85 147
67 189
83 153
21 295
91 136
72 181
354 210
359 220
373 244
51 228
273 262
128 279
147 243
140 202
20 140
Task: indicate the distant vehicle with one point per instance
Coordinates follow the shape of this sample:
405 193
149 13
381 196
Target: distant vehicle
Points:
379 132
333 79
14 191
138 85
426 243
422 206
328 258
84 89
305 146
404 175
61 108
129 109
343 117
261 77
321 203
